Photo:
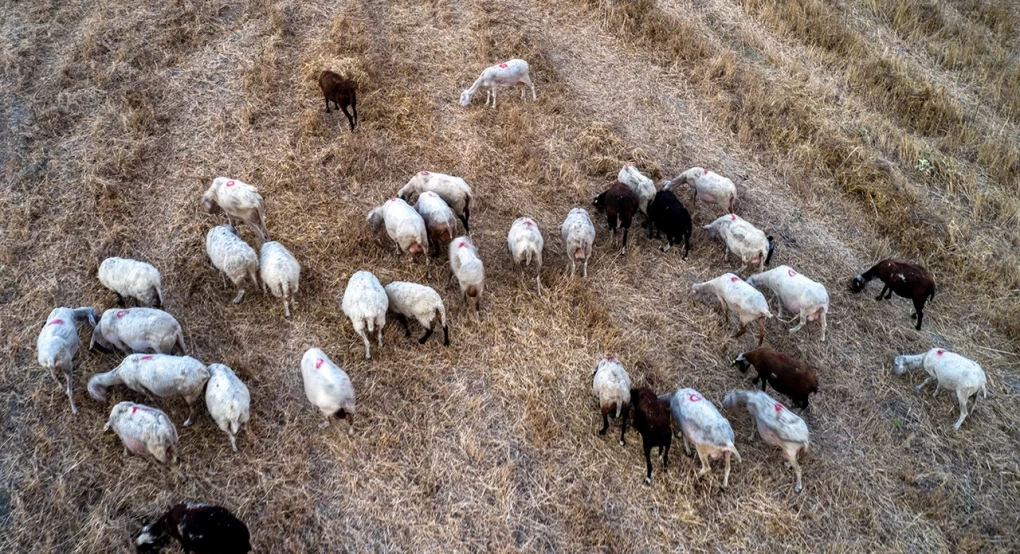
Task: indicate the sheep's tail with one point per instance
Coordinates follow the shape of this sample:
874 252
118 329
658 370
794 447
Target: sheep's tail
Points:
370 324
527 257
159 295
441 311
234 426
180 341
733 449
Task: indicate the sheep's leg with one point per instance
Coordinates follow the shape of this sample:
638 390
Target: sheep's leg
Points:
325 422
726 476
350 424
821 319
286 308
754 425
648 462
919 308
741 330
53 373
726 312
70 393
937 385
761 331
538 272
379 336
240 295
233 441
961 395
889 294
923 383
488 95
585 274
573 267
425 337
350 119
623 426
626 231
364 337
191 413
223 277
687 447
403 324
792 459
881 294
705 463
665 457
605 424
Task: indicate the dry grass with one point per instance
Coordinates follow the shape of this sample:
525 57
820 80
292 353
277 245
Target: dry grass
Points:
113 130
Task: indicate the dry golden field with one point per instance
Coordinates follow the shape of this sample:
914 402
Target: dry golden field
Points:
854 129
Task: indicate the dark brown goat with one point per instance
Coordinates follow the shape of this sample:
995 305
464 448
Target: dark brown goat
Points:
200 528
652 421
621 203
786 375
668 215
342 92
905 279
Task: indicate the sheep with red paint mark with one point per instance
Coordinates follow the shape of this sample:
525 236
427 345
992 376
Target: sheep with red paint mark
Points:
906 279
343 92
787 375
610 384
950 371
776 424
467 267
525 243
402 224
578 234
328 387
238 200
745 300
138 330
620 204
707 186
58 343
701 424
503 75
748 242
155 376
799 294
145 431
453 190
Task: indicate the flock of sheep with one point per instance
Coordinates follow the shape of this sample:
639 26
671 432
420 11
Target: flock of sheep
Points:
157 366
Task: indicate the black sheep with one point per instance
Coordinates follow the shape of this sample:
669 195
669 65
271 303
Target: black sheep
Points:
652 421
669 216
200 528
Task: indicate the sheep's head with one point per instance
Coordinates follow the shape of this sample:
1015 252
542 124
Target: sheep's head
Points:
599 201
86 314
899 365
858 283
209 203
99 342
734 400
741 363
96 390
465 98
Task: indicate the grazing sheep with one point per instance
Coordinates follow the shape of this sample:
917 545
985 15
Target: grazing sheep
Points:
708 186
365 304
786 375
652 421
611 386
439 219
232 257
280 273
200 528
342 92
743 298
138 330
777 425
228 401
155 375
144 430
905 279
743 239
132 279
950 371
453 190
619 202
642 186
578 237
58 343
419 302
238 200
467 266
403 225
798 293
328 387
504 75
669 216
702 424
524 241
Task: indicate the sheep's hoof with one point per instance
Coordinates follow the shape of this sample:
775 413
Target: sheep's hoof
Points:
323 425
187 422
648 480
796 489
602 432
623 443
350 431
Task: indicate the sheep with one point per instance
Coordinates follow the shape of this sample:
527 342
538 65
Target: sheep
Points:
328 387
524 241
669 216
342 92
619 202
402 224
708 186
280 273
467 267
138 330
504 75
365 304
787 375
950 371
419 302
702 424
155 375
228 401
238 200
611 386
743 239
798 293
200 528
132 279
144 430
652 421
453 190
745 299
58 343
777 425
906 279
439 219
642 186
578 237
232 257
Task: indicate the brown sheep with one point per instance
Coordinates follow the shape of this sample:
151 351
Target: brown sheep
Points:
786 375
651 420
342 92
905 279
619 202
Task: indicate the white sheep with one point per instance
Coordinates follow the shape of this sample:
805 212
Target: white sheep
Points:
467 267
228 401
950 371
453 190
144 430
776 424
138 330
743 239
524 241
578 237
799 294
155 375
280 273
232 257
365 304
642 186
710 187
328 387
58 343
611 384
132 279
702 424
504 75
238 200
439 219
422 303
734 293
402 224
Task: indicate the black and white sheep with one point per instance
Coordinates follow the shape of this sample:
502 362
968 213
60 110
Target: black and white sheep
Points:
422 303
199 528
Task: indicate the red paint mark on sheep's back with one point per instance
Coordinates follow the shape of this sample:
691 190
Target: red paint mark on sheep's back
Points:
782 356
423 173
629 165
791 273
734 279
57 321
231 183
318 363
134 409
733 217
502 66
694 398
462 244
611 357
393 199
121 313
528 222
779 407
705 172
146 358
940 352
